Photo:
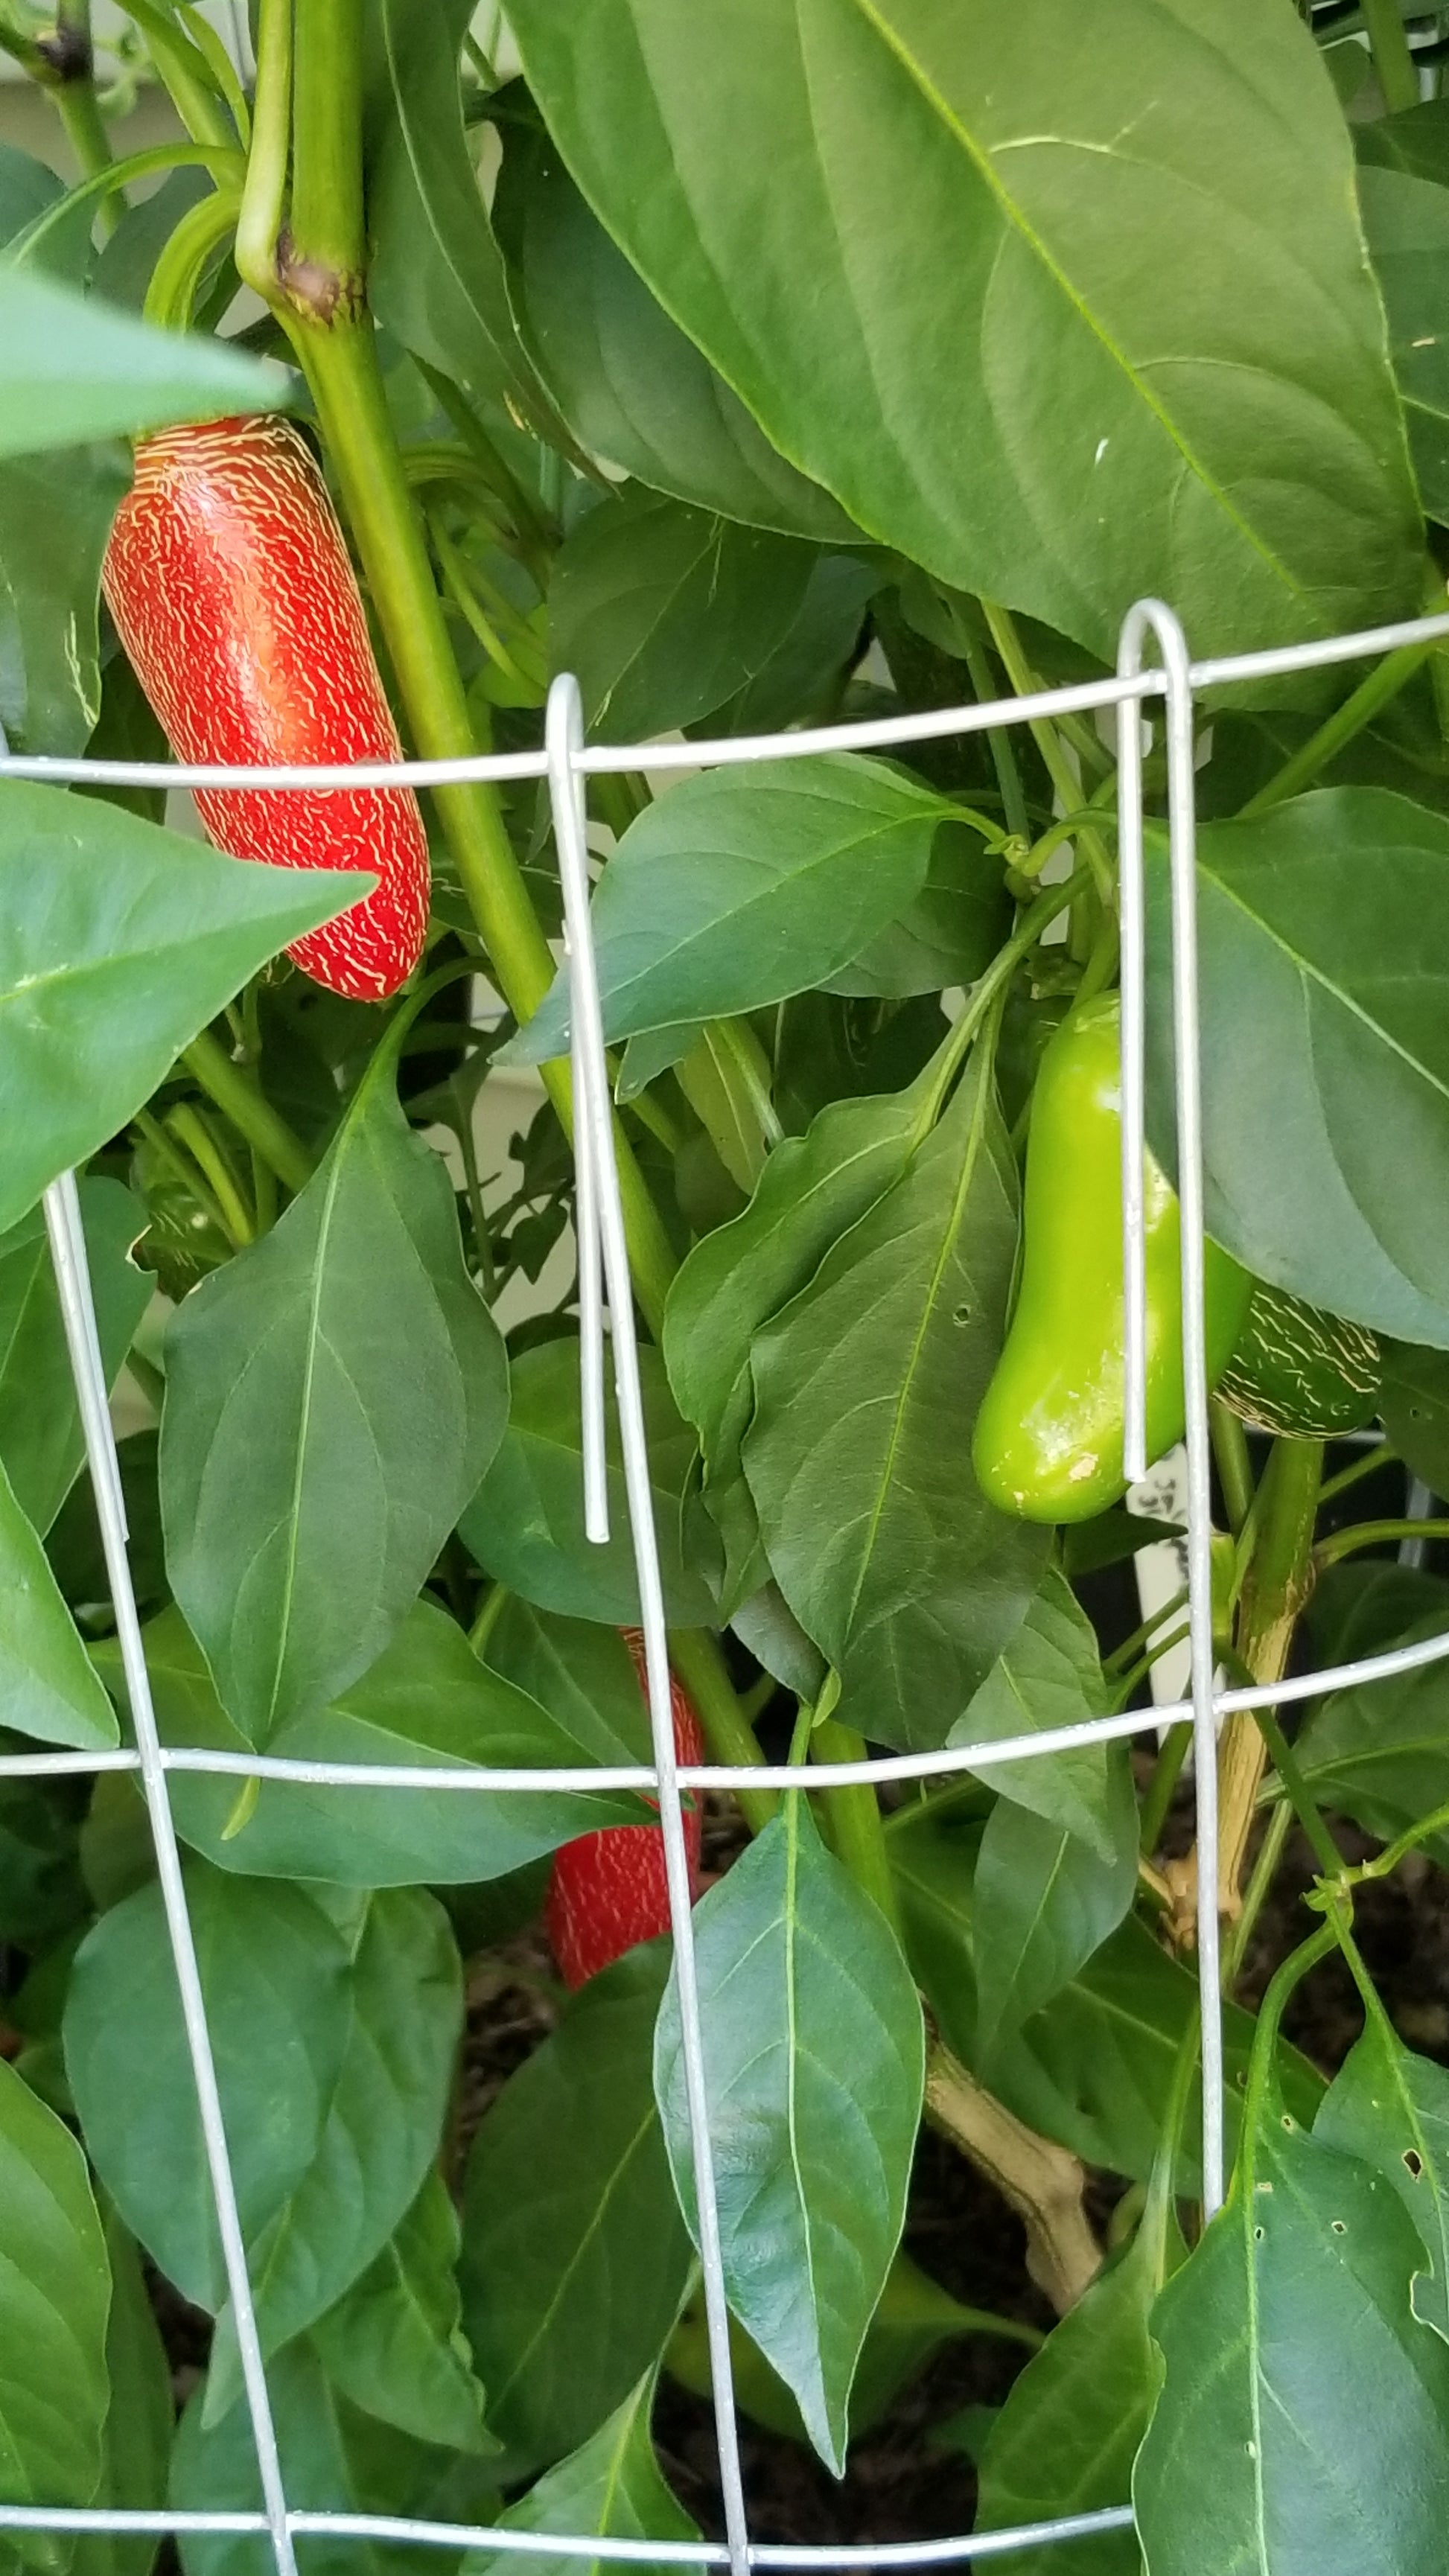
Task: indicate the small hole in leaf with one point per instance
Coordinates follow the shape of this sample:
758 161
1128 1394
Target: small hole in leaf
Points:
962 1315
1414 2162
1257 2235
1289 2123
1338 2227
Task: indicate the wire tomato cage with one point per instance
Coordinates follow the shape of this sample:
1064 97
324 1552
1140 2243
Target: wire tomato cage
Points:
566 763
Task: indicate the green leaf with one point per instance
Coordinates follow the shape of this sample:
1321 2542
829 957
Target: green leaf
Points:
637 394
41 1440
611 2487
55 518
381 2132
1094 2068
334 2035
1218 426
427 1700
394 2343
816 2055
307 1481
811 1190
1323 932
574 2255
1302 2419
859 1455
1065 2439
948 935
1044 1902
1390 2108
582 1673
1416 140
118 942
805 676
1406 223
1414 1410
525 1524
140 2420
436 277
55 2289
740 887
662 612
275 1974
334 2459
47 1686
78 370
1377 1751
1049 1676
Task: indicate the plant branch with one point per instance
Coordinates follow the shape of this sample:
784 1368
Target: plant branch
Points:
264 195
1042 2182
697 1659
1393 56
1278 1582
1384 682
853 1812
1347 1542
250 1112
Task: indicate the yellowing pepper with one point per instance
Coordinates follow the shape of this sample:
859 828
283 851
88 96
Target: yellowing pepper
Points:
1049 1436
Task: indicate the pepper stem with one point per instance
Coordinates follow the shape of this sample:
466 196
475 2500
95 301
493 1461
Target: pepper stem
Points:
334 341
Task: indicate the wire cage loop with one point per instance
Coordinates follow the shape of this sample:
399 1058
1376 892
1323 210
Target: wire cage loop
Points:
566 761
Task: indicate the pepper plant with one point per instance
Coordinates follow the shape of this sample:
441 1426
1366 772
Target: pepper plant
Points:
762 366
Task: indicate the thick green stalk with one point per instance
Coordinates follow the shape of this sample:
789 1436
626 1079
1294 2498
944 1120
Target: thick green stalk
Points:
1393 56
853 1814
333 337
696 1657
251 1114
1235 1467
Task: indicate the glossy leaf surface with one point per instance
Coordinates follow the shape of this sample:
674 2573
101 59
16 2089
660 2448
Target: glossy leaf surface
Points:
40 1429
427 1700
740 887
815 2050
662 613
47 1686
525 1524
55 2289
574 2254
394 2344
118 942
76 370
333 2034
1114 406
307 1480
1065 2440
1265 2453
1305 916
859 1455
612 2486
638 395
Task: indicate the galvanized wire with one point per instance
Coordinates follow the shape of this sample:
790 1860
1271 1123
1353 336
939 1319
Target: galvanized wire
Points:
566 762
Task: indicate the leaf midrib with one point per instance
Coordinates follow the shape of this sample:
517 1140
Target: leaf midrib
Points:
1015 217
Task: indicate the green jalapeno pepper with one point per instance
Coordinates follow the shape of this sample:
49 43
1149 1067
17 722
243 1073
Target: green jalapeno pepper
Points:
1049 1436
1301 1373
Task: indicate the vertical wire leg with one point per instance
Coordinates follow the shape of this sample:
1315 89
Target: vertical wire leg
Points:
594 1145
72 1272
1151 616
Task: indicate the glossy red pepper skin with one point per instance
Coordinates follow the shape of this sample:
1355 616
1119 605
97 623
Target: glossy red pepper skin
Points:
608 1890
231 589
